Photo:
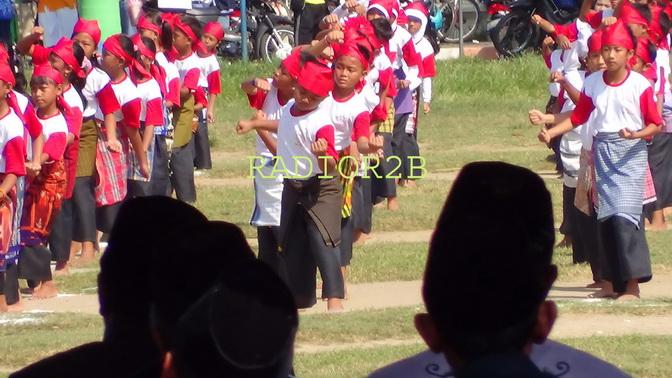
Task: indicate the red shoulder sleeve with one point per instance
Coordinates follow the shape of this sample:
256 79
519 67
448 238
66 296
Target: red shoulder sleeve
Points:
327 133
131 111
174 91
429 66
73 117
14 154
594 18
154 112
191 79
582 111
32 124
214 83
54 147
199 97
647 104
107 100
257 100
361 126
411 57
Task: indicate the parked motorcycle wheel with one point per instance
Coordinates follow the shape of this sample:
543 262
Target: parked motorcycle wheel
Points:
270 44
514 33
471 19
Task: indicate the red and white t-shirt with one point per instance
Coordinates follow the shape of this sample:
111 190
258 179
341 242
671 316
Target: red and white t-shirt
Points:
55 132
32 127
350 117
270 104
151 112
189 69
125 95
12 159
74 118
210 77
296 132
172 78
97 89
609 108
427 67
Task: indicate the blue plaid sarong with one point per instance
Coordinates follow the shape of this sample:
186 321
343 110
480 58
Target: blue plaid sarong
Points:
620 169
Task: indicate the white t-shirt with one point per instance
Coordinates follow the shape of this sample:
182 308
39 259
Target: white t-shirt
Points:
346 115
72 98
271 106
209 65
96 80
11 127
552 357
126 94
296 133
610 108
151 99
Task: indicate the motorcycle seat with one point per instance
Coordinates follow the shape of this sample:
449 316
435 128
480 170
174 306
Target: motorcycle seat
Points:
196 12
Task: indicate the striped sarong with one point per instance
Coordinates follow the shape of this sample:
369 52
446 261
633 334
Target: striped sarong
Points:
134 165
111 170
620 171
347 171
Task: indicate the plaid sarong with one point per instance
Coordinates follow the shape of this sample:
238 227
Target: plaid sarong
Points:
133 164
584 199
620 171
649 188
111 173
42 203
387 126
12 256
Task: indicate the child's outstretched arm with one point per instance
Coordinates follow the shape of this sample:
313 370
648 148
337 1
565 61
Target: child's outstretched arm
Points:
244 126
539 118
318 48
26 45
573 93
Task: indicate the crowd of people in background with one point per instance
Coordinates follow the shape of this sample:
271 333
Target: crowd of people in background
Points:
108 121
608 122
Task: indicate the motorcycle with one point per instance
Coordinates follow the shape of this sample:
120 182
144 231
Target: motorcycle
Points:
496 10
515 32
270 30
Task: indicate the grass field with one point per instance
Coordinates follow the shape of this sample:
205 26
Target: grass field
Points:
479 112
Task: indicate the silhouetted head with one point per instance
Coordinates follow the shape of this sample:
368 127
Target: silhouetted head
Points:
489 267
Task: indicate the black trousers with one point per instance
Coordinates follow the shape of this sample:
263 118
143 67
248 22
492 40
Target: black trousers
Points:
11 284
362 207
160 182
626 252
570 225
305 252
347 229
106 216
202 156
35 263
308 24
269 250
384 187
61 233
138 188
84 210
182 172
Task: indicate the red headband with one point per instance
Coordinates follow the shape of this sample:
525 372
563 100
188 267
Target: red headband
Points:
292 64
89 27
186 29
4 55
64 50
630 15
141 47
570 31
6 74
144 23
215 29
360 27
113 46
655 29
352 49
595 42
618 35
46 70
402 19
316 78
642 51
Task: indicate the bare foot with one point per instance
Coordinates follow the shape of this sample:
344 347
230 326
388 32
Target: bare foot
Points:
607 293
27 290
411 184
379 205
87 257
3 304
392 204
566 242
361 239
595 285
16 307
625 297
46 290
402 183
334 305
62 271
655 227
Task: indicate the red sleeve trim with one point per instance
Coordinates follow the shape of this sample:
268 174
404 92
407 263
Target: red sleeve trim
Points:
649 108
582 111
191 79
327 133
361 126
131 111
15 156
54 147
379 113
200 98
107 100
32 124
154 112
214 83
594 18
73 118
257 99
174 91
